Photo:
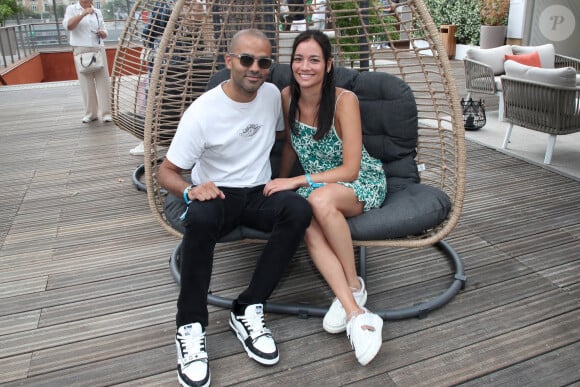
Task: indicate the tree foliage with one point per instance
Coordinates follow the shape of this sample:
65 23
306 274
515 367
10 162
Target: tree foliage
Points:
7 9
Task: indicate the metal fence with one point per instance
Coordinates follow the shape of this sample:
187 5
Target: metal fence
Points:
20 41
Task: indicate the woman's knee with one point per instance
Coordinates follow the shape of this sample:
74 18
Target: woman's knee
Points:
322 203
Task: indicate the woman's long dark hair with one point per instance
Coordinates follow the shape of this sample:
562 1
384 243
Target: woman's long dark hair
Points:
326 109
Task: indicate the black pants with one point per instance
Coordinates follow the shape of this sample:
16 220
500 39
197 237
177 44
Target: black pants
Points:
286 215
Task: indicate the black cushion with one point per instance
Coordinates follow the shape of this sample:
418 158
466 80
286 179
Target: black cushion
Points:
389 119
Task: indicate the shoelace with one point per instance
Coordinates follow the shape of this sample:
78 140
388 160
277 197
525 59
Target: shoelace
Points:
255 326
192 347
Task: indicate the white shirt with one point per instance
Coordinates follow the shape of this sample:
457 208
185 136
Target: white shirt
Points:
85 33
229 142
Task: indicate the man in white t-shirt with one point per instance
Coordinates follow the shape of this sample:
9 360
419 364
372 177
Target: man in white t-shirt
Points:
226 135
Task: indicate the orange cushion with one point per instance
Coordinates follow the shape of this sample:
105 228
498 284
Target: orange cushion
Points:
531 59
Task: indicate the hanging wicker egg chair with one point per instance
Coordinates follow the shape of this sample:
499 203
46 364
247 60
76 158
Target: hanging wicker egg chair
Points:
398 38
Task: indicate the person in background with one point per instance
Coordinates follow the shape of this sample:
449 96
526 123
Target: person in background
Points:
152 33
226 135
87 34
318 12
297 10
324 131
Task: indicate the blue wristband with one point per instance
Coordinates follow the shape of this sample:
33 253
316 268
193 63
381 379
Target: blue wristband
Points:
186 194
186 200
311 183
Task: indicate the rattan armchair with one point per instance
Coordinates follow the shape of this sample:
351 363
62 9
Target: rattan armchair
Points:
483 76
542 107
176 80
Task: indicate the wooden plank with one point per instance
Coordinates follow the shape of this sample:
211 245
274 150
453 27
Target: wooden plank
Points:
84 291
14 368
24 286
19 322
472 361
556 368
46 337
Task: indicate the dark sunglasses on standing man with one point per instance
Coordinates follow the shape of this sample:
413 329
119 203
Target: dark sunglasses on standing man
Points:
247 60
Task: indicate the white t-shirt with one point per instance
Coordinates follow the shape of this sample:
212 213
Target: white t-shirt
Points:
229 142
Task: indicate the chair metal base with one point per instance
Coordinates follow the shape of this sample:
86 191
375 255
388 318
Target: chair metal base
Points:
419 310
136 177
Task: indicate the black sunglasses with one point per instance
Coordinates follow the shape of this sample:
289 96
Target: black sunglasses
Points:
247 60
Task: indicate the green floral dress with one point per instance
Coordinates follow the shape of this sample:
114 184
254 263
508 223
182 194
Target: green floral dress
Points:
326 153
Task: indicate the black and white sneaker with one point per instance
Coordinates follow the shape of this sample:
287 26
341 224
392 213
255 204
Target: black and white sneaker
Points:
192 362
255 337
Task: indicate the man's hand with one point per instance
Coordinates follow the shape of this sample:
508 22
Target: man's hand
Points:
205 191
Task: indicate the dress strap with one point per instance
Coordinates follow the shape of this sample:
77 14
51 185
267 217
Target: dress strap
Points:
336 103
340 95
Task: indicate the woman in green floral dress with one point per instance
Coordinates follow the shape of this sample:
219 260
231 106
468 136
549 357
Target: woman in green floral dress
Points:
323 130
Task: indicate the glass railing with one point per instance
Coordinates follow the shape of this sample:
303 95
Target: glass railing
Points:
20 41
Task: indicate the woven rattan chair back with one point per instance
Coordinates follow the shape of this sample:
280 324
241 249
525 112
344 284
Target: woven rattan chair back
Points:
400 39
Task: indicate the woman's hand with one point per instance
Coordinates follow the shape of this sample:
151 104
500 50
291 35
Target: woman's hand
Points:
280 184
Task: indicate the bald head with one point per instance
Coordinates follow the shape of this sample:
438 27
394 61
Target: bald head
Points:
251 32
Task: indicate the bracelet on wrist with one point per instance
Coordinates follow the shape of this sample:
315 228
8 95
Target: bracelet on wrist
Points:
311 183
186 194
186 200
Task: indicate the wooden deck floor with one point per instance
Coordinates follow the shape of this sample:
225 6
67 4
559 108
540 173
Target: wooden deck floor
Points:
86 297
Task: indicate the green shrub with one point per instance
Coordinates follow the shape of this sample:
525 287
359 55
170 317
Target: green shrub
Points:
349 23
462 13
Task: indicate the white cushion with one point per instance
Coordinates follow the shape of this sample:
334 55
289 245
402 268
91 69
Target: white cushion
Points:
493 57
546 52
565 76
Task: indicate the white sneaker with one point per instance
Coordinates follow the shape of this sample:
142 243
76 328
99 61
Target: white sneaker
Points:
365 332
139 150
335 319
89 118
107 118
254 336
192 362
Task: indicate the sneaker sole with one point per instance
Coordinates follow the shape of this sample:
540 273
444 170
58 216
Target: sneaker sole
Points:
372 351
181 382
252 355
333 329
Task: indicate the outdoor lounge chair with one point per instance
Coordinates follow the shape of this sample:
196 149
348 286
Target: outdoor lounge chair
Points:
431 149
484 67
545 100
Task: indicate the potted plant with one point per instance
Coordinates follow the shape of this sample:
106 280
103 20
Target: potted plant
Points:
494 14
